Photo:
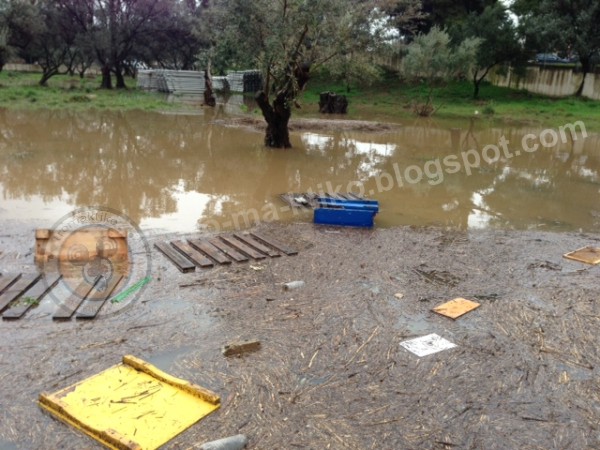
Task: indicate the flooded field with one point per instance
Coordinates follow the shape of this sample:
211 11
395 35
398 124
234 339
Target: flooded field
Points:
177 172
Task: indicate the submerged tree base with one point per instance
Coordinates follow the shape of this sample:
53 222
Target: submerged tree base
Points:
277 117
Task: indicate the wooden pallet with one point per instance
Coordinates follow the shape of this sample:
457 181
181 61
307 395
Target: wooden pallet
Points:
33 296
21 292
83 245
223 249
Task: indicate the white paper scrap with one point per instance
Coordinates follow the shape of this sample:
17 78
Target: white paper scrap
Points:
427 345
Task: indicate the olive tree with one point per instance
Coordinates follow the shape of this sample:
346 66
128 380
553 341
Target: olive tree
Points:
289 38
433 60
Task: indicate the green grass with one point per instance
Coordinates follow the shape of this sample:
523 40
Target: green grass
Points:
388 100
22 91
391 100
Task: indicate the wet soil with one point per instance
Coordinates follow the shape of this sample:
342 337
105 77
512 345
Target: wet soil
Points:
330 372
313 125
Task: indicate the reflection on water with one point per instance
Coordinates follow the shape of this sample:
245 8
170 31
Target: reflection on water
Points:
180 172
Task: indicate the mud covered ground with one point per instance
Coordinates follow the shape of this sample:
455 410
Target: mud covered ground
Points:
331 372
314 125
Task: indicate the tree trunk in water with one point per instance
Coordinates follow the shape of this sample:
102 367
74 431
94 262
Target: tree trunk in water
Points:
106 78
277 117
585 69
278 114
209 97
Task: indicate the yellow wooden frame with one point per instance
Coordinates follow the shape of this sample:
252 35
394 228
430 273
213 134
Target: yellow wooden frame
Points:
132 405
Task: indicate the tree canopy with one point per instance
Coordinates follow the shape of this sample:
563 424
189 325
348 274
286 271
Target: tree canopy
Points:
289 38
433 59
113 33
569 26
499 41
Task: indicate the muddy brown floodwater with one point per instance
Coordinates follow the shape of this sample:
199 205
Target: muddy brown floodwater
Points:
330 372
182 172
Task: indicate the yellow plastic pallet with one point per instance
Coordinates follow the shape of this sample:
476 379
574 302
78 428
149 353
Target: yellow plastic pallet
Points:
132 405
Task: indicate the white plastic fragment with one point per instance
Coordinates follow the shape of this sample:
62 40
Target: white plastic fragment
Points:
237 442
427 345
293 285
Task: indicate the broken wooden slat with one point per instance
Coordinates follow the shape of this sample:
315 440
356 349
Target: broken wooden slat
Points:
209 249
192 254
257 245
181 262
229 251
96 299
8 280
243 248
68 308
15 290
35 294
274 243
240 348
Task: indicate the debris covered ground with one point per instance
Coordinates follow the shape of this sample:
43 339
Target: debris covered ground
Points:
330 371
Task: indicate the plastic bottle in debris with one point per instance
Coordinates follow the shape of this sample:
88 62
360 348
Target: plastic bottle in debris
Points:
237 442
293 285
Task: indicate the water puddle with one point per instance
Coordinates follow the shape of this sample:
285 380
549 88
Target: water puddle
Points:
166 359
415 324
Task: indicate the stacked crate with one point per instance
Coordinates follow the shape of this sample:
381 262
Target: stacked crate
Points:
244 81
172 81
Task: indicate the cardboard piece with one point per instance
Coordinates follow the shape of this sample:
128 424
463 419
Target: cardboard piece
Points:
456 308
588 255
132 405
427 345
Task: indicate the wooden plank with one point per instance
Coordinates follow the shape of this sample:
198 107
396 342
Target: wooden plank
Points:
241 348
66 310
96 300
229 251
243 248
7 280
257 245
16 289
181 262
209 249
274 243
192 254
33 295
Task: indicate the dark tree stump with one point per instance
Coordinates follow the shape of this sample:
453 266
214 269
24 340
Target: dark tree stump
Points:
209 97
331 103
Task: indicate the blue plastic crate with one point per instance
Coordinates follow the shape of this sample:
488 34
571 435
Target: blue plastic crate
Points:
349 213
